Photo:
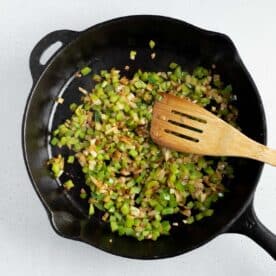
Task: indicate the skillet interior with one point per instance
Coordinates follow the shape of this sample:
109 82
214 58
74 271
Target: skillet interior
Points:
105 46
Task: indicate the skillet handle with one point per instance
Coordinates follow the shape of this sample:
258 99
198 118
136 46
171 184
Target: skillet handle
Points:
63 36
249 225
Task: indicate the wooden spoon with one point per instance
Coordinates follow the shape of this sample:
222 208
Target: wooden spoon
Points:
184 126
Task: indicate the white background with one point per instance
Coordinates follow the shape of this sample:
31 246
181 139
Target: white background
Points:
28 245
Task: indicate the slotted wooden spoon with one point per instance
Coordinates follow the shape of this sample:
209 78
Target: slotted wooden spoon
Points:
184 126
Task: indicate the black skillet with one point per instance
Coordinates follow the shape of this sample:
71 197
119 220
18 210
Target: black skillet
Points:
107 45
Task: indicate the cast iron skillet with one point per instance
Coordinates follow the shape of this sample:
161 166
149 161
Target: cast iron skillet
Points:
107 45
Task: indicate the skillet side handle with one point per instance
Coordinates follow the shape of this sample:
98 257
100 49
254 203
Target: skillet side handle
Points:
249 225
63 36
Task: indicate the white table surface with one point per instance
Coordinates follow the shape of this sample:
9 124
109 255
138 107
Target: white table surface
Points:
28 245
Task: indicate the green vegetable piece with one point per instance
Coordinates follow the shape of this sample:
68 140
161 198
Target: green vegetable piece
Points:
155 234
195 175
173 65
83 194
190 187
190 220
140 84
125 209
200 72
179 186
178 72
205 101
151 44
97 78
68 185
208 212
114 226
135 190
185 90
129 221
120 116
209 170
121 230
226 92
190 205
57 165
165 227
129 232
217 82
97 116
167 211
159 97
85 70
73 106
108 205
133 153
91 209
54 141
153 78
199 216
132 54
70 159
